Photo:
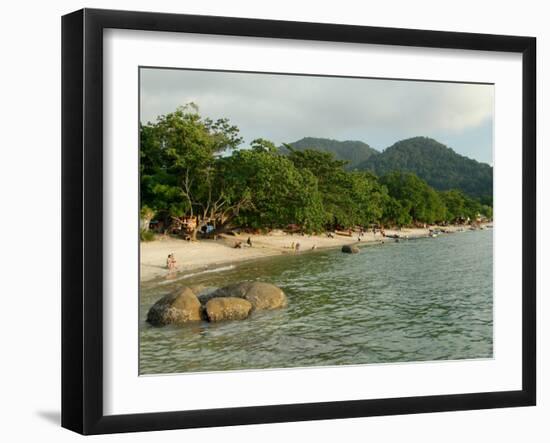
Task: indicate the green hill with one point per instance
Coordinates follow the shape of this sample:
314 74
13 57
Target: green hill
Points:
355 152
436 163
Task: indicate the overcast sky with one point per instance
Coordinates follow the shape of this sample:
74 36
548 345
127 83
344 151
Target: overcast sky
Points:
285 108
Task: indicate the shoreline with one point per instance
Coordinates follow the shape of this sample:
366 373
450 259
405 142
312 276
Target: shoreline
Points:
205 255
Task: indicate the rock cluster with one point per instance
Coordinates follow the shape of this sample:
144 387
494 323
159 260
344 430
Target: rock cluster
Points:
350 249
233 302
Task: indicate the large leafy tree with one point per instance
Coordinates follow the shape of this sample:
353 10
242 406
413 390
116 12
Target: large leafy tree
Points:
334 183
395 213
280 193
416 197
349 199
368 198
179 170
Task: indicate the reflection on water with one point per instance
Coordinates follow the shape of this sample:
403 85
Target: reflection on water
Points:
417 300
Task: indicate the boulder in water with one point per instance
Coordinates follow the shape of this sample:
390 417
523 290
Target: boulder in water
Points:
177 308
265 296
350 249
227 308
198 289
260 295
235 290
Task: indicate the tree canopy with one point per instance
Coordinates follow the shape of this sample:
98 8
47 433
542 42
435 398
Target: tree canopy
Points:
192 166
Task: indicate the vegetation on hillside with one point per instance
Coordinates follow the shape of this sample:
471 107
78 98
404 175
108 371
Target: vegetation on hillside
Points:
190 167
438 165
354 152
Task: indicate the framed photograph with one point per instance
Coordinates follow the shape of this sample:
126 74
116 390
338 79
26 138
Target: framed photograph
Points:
268 221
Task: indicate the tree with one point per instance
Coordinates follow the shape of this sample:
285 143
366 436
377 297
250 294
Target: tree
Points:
455 205
368 198
180 173
416 197
146 215
333 182
395 214
280 193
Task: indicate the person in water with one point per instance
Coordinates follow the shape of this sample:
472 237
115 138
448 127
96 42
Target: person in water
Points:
297 247
171 262
249 242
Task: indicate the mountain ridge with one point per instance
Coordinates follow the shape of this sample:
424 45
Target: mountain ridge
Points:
439 165
352 151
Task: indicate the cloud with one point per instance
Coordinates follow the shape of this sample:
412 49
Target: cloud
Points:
284 108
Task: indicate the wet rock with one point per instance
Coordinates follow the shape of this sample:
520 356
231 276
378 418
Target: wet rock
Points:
260 295
198 289
265 296
350 249
227 308
177 308
235 290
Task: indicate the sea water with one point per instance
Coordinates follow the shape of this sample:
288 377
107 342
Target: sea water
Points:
414 300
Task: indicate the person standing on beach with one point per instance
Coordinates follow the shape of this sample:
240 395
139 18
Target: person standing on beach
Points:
297 247
249 242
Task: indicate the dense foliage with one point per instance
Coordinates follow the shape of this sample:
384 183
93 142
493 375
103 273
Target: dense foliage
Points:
280 194
190 167
354 152
438 165
348 198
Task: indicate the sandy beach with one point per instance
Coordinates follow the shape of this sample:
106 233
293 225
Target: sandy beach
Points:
210 254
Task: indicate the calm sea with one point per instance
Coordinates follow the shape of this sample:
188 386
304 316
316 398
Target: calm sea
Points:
416 300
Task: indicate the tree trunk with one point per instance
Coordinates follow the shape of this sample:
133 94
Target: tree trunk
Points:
145 222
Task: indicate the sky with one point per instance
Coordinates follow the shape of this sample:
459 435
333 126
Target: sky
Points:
286 108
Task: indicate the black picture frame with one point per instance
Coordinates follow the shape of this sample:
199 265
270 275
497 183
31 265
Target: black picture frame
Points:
82 215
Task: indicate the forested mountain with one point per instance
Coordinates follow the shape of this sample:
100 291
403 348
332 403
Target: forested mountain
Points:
355 152
437 164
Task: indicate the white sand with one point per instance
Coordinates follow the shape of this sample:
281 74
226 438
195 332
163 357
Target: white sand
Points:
213 253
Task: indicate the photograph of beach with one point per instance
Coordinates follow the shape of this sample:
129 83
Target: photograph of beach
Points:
295 221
